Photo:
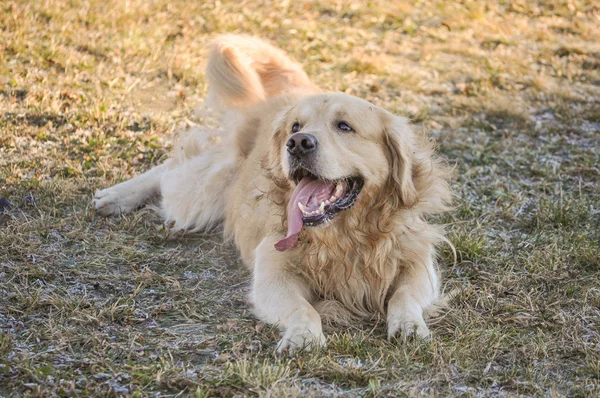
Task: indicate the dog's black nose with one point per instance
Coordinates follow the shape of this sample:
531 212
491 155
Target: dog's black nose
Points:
300 144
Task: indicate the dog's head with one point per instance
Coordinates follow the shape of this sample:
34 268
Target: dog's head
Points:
331 148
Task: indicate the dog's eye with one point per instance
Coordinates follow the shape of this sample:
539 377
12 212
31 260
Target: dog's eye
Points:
344 127
296 127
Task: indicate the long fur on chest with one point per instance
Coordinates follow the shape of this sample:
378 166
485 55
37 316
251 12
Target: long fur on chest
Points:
356 274
357 262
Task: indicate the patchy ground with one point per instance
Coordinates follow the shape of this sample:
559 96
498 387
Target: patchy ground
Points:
93 92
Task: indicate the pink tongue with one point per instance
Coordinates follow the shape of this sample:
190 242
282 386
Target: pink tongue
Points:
307 188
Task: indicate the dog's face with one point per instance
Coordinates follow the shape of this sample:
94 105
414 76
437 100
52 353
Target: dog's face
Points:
331 147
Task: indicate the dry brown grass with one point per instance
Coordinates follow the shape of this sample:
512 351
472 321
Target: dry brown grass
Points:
92 92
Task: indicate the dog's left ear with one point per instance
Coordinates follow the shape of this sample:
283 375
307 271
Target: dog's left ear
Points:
399 141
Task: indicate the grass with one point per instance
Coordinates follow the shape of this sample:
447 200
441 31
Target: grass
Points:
94 92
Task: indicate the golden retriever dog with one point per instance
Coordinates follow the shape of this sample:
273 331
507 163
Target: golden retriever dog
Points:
324 194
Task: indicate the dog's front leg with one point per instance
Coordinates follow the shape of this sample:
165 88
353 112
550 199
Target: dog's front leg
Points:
417 290
282 298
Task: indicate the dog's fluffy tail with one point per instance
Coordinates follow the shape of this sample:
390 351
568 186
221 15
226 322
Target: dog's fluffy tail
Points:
242 71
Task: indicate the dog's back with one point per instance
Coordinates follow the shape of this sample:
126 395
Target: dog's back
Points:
245 75
249 81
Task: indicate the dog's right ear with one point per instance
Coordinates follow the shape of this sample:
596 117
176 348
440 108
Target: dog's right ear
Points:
273 161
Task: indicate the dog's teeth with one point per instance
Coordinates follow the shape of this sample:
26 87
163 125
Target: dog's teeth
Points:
303 209
339 188
322 207
332 199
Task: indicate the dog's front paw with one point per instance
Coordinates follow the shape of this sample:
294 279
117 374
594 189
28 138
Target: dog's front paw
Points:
301 336
115 200
409 326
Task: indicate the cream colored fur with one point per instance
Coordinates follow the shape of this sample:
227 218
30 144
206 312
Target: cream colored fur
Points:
375 259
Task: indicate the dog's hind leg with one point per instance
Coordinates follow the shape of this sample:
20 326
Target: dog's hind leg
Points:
193 184
194 192
129 195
